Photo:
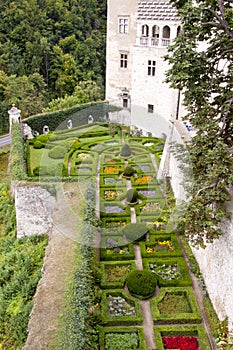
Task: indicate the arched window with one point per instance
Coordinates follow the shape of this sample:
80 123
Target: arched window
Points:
145 30
166 36
155 31
155 36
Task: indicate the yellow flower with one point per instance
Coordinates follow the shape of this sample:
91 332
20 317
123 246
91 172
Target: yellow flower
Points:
4 193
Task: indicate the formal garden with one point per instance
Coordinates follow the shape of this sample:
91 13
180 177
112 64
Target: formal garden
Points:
140 268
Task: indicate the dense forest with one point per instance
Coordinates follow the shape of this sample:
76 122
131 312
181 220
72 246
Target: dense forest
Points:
50 51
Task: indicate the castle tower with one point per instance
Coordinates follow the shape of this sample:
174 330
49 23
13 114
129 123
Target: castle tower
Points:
138 34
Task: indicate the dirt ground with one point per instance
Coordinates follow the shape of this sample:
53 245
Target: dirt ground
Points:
58 269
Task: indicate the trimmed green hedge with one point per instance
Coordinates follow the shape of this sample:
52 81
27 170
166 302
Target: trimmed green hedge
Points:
141 283
17 164
162 263
120 320
121 330
114 266
135 232
194 316
190 330
113 226
79 115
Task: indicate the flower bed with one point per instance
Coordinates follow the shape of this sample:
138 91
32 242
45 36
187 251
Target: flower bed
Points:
113 225
144 179
166 272
112 169
118 306
121 253
180 342
151 207
169 271
185 331
161 245
111 194
122 338
118 341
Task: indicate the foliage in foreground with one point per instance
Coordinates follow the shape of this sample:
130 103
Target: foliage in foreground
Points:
20 266
204 75
79 322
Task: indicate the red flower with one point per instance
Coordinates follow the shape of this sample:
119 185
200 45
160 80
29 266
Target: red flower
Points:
180 342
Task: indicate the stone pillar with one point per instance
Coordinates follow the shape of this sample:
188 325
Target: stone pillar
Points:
14 116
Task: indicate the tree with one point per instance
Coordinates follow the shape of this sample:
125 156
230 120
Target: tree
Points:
201 66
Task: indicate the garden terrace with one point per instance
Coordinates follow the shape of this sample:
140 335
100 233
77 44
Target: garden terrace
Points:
91 152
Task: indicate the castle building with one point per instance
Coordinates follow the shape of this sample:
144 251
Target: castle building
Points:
138 35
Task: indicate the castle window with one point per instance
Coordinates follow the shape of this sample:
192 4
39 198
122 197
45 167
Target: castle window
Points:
123 25
151 67
145 30
123 60
166 36
150 109
155 36
125 102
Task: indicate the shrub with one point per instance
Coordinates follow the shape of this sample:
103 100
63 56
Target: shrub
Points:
141 283
57 152
135 232
132 196
40 170
126 151
38 144
128 171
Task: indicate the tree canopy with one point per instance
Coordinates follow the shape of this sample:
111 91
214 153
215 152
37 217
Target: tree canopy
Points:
60 42
201 67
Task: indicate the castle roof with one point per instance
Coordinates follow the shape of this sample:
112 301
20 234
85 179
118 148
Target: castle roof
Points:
157 10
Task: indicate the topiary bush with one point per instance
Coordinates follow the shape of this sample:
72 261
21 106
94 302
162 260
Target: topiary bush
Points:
57 152
126 151
132 196
128 171
38 144
135 232
141 283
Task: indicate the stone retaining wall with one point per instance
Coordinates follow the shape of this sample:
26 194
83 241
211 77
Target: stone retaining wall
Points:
34 209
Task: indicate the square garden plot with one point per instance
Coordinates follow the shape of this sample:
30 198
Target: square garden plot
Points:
112 194
183 337
113 274
115 208
122 338
112 181
125 252
175 305
153 221
161 246
169 271
114 225
118 308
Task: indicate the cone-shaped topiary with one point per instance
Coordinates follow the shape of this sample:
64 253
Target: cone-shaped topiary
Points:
141 283
135 232
128 171
132 196
125 150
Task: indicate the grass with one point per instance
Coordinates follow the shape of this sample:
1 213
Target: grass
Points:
174 304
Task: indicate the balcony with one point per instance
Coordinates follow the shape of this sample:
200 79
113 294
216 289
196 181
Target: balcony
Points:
151 41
